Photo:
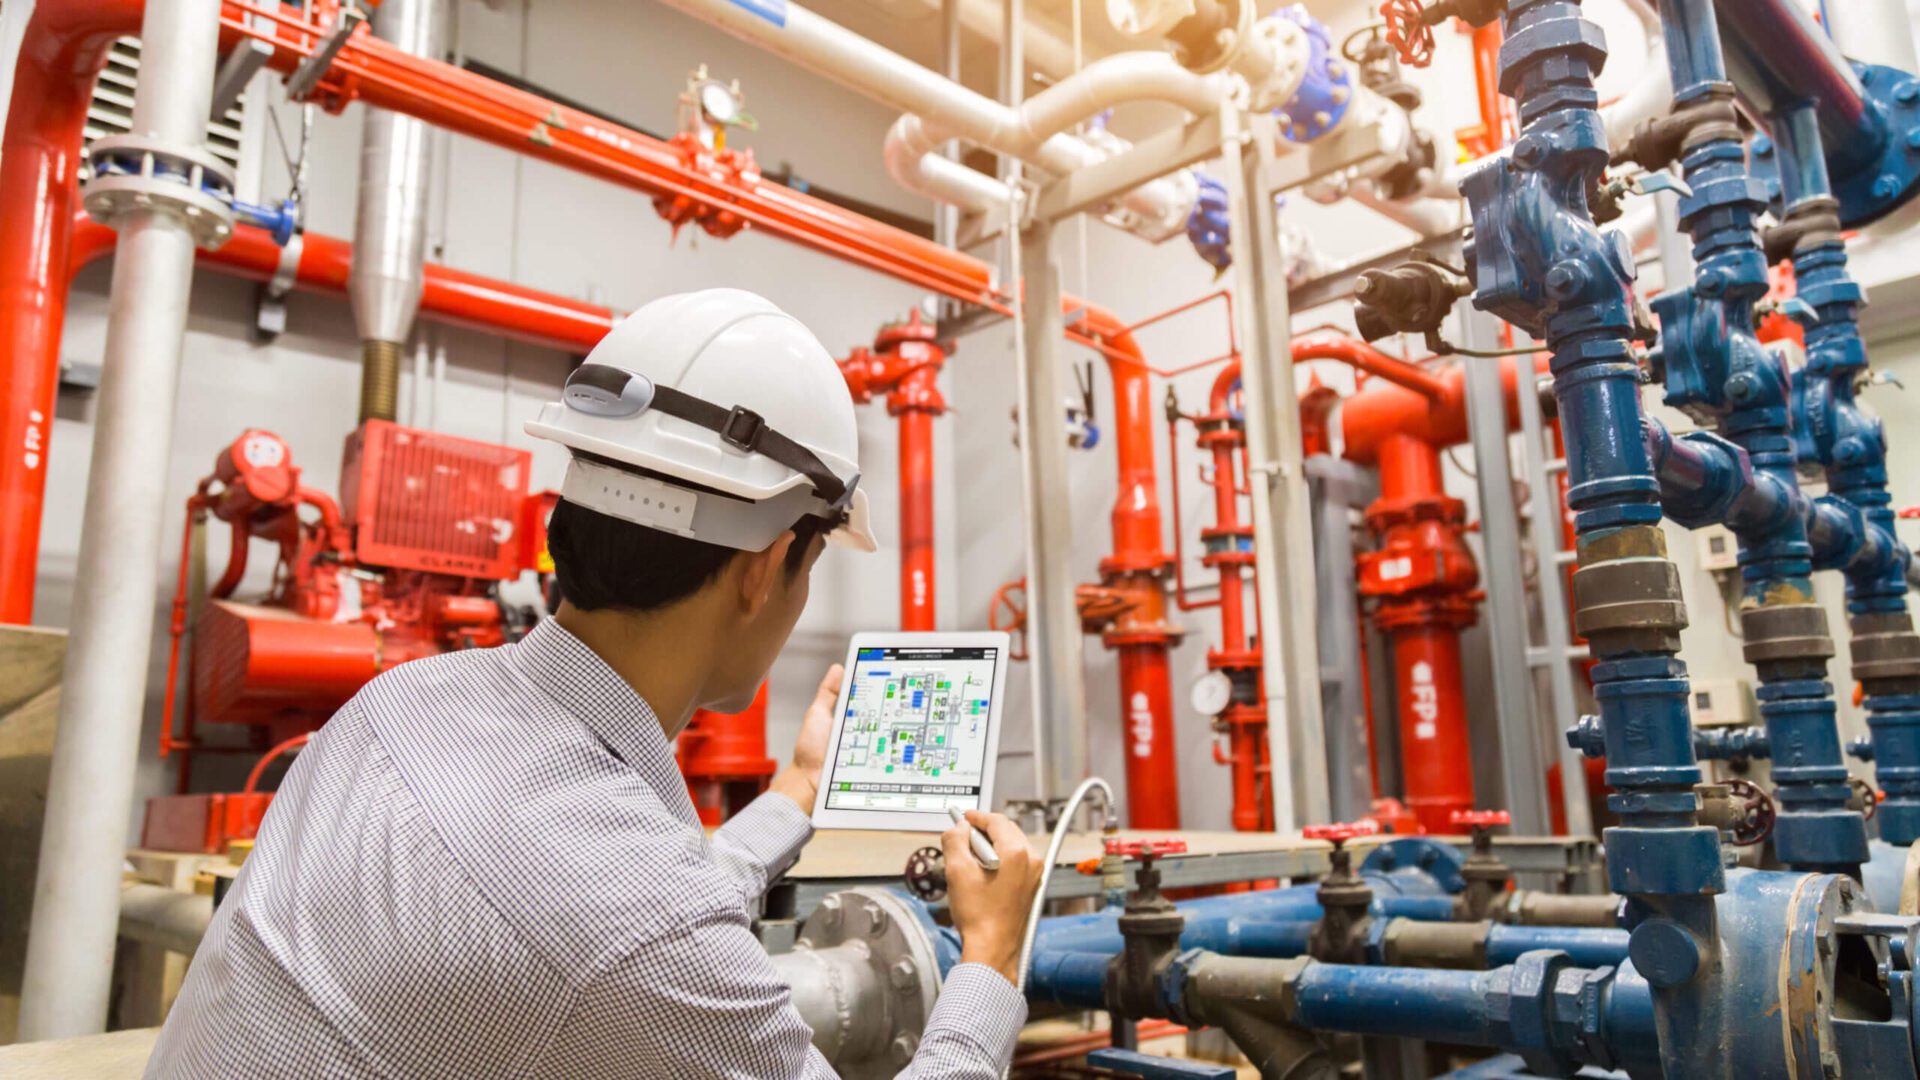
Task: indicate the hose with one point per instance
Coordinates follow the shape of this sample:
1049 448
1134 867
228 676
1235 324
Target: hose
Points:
1059 838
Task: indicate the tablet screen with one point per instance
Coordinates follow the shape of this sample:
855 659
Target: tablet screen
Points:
915 733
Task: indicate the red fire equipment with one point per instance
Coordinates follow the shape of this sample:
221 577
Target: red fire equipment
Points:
408 569
724 758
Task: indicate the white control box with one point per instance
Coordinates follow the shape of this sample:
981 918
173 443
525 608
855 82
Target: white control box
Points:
1719 549
1721 703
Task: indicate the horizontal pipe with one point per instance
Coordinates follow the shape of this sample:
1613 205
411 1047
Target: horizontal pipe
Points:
168 918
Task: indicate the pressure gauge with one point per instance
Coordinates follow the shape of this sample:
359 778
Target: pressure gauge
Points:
719 102
1211 693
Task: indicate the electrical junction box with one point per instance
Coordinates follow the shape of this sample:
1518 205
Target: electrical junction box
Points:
1719 549
1721 703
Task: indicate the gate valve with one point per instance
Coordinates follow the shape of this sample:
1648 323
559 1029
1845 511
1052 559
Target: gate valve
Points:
1604 201
1487 876
1009 616
1346 901
1409 31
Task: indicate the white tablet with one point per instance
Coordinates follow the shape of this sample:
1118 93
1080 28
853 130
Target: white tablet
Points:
916 730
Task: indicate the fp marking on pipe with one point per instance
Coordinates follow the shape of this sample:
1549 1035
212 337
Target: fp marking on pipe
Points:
1140 723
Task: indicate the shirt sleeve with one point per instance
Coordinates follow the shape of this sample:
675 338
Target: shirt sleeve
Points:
759 843
707 1003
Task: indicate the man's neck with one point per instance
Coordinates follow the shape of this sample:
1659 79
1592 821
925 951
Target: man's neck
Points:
662 655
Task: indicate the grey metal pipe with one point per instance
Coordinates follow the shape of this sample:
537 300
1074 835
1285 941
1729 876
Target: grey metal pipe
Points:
1059 692
840 996
76 903
390 232
156 915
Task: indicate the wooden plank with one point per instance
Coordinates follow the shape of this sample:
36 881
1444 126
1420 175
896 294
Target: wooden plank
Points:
840 854
30 660
118 1055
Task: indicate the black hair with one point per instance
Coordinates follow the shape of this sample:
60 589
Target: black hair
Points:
603 562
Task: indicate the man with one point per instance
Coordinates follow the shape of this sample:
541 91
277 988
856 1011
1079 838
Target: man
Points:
486 864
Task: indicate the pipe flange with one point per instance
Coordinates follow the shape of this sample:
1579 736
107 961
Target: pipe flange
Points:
133 172
897 939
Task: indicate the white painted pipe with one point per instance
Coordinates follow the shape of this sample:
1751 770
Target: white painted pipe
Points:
940 109
1651 94
1874 31
156 915
76 901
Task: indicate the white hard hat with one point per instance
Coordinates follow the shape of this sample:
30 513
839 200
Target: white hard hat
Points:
713 415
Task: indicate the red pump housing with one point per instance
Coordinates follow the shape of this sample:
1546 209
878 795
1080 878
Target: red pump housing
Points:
409 569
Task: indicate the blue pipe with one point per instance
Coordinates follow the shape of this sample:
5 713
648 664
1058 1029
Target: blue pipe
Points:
1718 370
1586 946
1851 445
1542 264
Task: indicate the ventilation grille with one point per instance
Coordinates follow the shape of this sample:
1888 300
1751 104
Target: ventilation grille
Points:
111 110
419 500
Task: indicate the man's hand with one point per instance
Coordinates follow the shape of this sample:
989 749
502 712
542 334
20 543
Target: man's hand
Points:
800 781
990 907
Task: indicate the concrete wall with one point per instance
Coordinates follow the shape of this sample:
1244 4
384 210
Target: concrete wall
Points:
498 214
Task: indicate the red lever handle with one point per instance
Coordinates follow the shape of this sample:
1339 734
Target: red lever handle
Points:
1340 832
1481 819
1134 848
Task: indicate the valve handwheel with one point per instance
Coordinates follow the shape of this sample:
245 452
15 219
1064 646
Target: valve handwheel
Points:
1137 847
1339 832
1408 31
1757 825
1481 819
926 876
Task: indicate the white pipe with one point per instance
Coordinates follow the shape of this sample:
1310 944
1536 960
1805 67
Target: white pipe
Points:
168 918
76 901
940 109
1651 94
1874 31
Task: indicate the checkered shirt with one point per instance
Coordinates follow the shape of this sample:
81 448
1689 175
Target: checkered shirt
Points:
486 864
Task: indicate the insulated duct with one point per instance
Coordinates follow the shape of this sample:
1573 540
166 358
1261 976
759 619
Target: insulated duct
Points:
390 234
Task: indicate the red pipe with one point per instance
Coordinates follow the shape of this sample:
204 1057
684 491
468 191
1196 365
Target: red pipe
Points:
1229 553
1422 579
61 53
724 758
1136 573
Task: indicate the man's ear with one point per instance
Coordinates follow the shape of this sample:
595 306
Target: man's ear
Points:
758 570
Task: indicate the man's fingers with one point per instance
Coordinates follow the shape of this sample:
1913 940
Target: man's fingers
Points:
1005 835
955 844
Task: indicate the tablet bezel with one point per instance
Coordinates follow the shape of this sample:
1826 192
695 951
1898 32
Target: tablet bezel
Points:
907 820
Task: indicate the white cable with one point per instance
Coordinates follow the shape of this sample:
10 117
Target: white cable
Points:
1060 831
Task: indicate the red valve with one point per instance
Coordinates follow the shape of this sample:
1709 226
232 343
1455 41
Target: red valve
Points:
1481 819
1908 512
1408 31
1340 832
1135 848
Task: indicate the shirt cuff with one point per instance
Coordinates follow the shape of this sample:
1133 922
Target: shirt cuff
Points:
979 1004
772 830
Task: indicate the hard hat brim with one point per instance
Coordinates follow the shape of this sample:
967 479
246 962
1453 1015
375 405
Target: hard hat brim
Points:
857 531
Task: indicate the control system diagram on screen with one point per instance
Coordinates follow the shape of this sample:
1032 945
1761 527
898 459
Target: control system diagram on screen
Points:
915 733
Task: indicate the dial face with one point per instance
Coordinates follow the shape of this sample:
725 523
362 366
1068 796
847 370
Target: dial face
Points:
1212 693
719 103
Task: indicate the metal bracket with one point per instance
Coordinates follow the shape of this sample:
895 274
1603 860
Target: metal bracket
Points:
238 69
311 70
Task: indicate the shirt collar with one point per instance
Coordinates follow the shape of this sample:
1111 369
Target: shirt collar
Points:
572 674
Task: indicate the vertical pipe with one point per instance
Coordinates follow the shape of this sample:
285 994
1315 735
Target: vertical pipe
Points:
1778 57
63 49
1146 697
916 515
1521 756
1059 695
1715 363
390 231
1424 577
1282 520
90 791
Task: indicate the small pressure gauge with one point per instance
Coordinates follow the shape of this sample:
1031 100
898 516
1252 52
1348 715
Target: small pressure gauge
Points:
1211 693
719 102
